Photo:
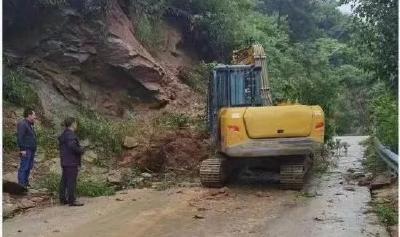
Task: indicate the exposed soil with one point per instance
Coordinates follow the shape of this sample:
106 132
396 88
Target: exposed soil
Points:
328 206
178 151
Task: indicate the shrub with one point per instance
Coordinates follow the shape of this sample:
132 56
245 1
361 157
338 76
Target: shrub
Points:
384 112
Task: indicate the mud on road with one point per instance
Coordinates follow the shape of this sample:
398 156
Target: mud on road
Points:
327 207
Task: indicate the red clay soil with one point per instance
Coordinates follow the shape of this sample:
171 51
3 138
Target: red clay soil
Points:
181 150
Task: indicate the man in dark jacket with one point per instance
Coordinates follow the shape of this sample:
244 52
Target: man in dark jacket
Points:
70 154
26 139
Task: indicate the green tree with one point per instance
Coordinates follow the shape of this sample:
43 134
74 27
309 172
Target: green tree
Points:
376 23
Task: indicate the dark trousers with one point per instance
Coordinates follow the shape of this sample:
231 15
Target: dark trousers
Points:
68 184
25 167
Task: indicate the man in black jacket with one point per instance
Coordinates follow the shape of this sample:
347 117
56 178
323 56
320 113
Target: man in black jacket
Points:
70 154
26 139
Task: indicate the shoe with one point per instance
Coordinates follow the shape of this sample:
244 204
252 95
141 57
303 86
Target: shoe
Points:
76 204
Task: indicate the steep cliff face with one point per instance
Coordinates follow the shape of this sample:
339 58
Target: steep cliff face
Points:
91 59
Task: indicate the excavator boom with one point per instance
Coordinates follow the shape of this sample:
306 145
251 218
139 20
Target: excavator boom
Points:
255 55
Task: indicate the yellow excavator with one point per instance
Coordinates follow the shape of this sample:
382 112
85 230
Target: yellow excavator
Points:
248 130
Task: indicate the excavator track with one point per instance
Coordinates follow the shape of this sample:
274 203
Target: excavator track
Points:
292 174
213 172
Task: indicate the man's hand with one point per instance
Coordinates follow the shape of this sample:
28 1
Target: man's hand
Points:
23 153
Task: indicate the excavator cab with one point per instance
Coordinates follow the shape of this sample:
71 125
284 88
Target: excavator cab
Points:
232 86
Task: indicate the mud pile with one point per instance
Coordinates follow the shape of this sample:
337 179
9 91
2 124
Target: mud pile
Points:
179 151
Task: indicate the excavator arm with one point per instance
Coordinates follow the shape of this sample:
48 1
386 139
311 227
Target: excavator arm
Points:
255 55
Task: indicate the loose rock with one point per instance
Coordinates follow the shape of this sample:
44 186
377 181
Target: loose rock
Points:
89 156
114 177
130 142
146 175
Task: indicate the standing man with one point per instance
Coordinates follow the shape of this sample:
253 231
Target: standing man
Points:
70 154
26 139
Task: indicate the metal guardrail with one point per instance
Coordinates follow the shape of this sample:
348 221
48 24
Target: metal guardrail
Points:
390 158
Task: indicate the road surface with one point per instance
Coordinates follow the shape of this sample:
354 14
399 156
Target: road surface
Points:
331 207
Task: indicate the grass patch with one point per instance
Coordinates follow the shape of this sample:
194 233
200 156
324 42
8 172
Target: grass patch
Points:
17 91
173 121
9 141
147 15
373 162
92 188
386 214
50 181
200 126
103 132
47 141
148 32
85 186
